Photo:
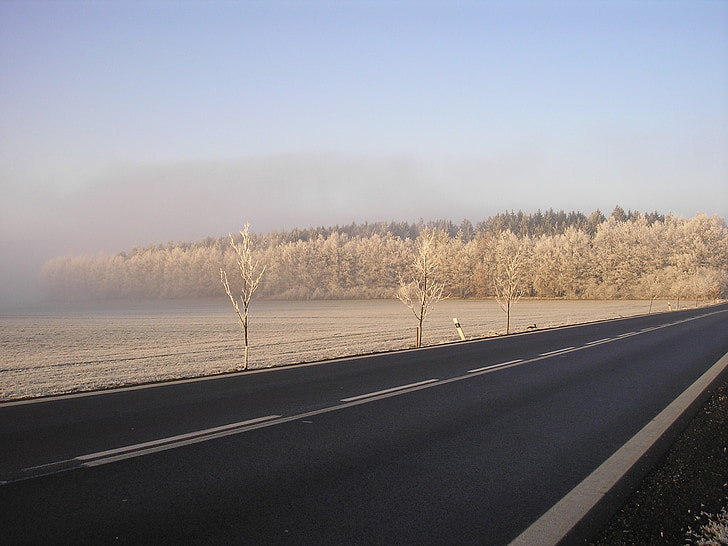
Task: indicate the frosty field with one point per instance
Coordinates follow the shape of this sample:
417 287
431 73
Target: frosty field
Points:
123 343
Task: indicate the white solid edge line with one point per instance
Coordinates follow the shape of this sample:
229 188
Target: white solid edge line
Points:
555 524
385 391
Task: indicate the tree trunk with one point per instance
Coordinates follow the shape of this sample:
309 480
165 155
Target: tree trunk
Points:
508 317
245 328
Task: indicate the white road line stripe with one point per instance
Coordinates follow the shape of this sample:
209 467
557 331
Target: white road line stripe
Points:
170 442
599 341
385 391
496 366
558 351
155 446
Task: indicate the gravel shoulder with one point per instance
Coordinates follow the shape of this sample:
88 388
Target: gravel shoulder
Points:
686 489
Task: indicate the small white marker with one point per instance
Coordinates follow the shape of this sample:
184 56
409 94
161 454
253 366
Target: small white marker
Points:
459 329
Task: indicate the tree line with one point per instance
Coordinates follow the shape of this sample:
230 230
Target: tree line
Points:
560 255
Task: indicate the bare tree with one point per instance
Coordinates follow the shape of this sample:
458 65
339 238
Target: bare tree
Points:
510 284
250 274
423 290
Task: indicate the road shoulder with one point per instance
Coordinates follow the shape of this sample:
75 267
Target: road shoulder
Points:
589 505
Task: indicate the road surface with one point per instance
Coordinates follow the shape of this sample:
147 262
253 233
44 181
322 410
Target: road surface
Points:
465 443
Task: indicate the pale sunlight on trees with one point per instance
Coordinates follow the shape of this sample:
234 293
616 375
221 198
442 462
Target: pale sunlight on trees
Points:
424 289
250 276
648 257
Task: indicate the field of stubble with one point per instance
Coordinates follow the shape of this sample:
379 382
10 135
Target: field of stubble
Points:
56 350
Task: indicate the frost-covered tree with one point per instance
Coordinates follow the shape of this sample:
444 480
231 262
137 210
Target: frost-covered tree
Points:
424 289
457 266
628 255
510 272
250 273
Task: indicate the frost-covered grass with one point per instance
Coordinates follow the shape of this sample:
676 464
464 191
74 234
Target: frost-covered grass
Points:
712 533
53 351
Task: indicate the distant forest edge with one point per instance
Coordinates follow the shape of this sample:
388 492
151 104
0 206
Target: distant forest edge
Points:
567 255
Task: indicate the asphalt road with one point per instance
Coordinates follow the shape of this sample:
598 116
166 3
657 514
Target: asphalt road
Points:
464 443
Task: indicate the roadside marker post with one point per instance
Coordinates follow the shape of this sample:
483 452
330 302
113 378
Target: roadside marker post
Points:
459 329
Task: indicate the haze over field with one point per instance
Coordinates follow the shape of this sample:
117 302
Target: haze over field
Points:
124 124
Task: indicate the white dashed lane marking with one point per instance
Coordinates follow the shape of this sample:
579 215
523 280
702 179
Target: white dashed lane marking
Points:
385 391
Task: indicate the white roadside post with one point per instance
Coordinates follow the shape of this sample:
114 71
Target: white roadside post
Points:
459 329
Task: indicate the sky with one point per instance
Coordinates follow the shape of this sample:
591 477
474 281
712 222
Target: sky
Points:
129 123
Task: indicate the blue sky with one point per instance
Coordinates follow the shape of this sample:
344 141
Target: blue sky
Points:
127 123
